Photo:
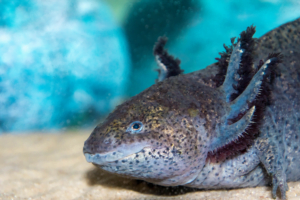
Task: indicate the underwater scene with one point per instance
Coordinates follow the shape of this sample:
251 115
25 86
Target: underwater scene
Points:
149 99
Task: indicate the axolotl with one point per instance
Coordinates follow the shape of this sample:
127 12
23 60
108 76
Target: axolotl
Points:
234 124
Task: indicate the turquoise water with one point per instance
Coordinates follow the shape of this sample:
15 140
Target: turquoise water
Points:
67 64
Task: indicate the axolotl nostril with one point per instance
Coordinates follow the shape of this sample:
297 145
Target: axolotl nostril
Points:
234 124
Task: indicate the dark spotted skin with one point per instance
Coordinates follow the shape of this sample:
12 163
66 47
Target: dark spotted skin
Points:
183 117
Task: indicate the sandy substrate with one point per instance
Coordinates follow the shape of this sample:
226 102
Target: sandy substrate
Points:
48 166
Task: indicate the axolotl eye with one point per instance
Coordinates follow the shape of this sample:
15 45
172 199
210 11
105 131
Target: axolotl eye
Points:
135 127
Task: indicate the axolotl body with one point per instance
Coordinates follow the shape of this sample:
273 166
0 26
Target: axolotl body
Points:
233 124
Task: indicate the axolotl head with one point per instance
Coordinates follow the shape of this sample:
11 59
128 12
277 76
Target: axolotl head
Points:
156 136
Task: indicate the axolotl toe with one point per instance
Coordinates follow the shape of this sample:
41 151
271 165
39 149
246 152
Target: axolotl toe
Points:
234 124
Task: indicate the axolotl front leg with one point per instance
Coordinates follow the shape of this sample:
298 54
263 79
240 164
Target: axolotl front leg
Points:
271 156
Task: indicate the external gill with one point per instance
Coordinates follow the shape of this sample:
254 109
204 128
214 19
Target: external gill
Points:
246 93
232 76
168 65
239 69
162 69
233 132
241 103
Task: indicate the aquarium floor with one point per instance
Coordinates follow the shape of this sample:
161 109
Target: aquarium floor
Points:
44 166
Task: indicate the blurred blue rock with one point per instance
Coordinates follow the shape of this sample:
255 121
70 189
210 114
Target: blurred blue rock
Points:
62 64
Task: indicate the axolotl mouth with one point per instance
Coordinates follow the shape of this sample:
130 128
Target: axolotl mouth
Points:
112 156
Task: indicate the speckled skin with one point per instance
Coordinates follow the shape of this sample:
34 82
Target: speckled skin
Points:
183 118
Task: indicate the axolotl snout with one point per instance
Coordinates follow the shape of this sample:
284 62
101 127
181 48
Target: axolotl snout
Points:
230 125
